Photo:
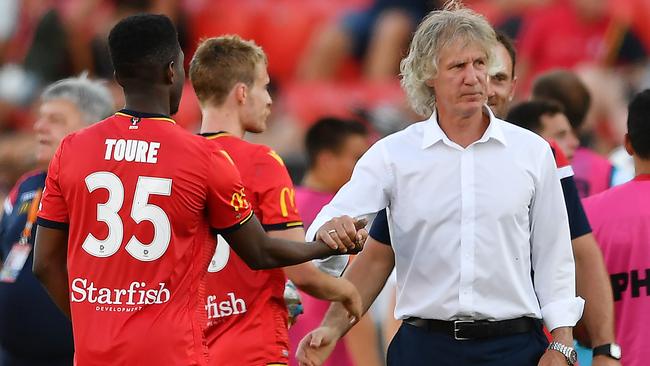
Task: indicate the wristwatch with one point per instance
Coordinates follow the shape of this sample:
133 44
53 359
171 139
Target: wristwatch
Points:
612 350
568 352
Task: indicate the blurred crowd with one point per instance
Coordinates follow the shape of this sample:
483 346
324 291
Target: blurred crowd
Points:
336 58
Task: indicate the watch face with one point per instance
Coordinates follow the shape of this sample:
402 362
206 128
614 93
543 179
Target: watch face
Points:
573 356
615 351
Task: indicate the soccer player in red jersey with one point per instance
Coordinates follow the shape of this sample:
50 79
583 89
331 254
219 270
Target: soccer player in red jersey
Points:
230 79
131 200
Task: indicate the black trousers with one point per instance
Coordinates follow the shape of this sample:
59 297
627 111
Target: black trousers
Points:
413 346
7 359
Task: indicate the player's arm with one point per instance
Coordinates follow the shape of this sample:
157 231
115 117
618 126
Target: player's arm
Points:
368 272
592 284
596 327
51 241
50 265
311 280
260 251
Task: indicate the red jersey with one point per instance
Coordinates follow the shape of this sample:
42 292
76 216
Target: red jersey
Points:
247 316
564 169
138 194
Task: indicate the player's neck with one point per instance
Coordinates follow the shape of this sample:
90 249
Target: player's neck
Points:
153 101
217 119
641 166
318 182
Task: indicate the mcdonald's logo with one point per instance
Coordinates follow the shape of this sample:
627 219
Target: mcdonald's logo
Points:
238 200
286 191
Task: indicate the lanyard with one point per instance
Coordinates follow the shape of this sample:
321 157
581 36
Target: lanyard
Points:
31 217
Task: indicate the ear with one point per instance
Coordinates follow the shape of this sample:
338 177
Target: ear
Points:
117 78
170 73
241 93
429 82
514 88
628 145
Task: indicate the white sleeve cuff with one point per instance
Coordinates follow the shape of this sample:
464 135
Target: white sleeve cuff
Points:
333 266
562 313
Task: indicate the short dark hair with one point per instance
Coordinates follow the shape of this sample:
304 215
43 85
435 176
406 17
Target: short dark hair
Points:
529 114
564 87
329 133
638 124
509 45
141 42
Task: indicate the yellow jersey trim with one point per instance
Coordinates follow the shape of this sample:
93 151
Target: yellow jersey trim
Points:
277 157
220 134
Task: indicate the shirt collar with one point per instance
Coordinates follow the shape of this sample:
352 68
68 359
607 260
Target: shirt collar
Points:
433 133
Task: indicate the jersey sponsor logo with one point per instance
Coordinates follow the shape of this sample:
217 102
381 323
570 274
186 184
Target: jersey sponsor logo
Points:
126 299
230 306
632 280
289 193
132 150
238 200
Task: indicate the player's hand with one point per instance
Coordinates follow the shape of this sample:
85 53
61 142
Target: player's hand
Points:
316 346
350 299
602 360
344 234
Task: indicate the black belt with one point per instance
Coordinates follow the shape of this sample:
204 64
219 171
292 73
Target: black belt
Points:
471 329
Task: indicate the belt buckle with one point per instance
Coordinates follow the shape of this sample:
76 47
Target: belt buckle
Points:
456 329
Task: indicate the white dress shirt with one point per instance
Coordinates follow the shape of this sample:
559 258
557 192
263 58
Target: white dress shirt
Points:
469 224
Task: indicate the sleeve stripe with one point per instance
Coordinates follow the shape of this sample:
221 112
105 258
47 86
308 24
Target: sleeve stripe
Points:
283 226
236 226
52 224
565 172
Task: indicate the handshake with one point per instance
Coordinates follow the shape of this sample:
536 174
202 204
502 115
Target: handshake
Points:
344 234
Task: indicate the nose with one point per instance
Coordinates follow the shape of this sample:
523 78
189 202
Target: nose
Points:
471 75
39 125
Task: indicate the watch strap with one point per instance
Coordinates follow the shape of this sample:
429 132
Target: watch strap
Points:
611 350
566 351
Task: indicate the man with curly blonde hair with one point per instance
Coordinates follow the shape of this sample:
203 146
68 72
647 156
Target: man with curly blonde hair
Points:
474 207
